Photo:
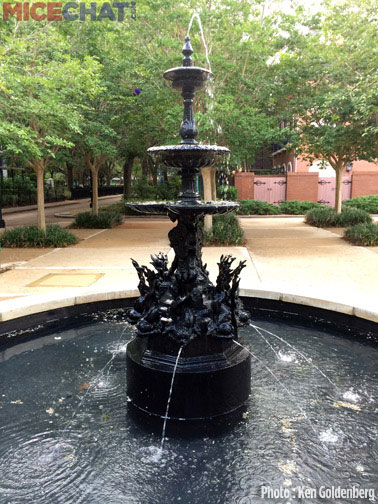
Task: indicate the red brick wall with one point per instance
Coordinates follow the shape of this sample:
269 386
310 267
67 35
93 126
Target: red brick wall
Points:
244 184
364 183
302 186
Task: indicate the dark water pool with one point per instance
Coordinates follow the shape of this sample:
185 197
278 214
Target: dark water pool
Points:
66 436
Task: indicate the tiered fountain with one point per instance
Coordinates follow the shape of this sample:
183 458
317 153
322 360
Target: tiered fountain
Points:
186 326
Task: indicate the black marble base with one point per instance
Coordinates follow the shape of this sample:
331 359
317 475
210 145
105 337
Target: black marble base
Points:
208 385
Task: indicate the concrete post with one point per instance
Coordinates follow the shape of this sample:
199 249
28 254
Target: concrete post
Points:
210 191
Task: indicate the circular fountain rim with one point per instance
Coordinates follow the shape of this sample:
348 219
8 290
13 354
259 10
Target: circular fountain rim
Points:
17 316
183 147
169 74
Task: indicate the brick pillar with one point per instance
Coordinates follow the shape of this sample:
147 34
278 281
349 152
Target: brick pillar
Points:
244 184
302 186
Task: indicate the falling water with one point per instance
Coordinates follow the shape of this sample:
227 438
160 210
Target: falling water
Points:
169 400
309 361
196 15
293 398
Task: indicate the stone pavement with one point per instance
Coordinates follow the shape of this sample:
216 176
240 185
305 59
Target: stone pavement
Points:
286 259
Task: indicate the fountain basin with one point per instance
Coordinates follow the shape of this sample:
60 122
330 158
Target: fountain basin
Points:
177 207
191 156
182 76
88 448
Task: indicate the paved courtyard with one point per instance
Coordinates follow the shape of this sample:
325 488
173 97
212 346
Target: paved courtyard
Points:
285 257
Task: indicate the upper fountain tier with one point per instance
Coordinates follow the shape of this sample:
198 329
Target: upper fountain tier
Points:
188 154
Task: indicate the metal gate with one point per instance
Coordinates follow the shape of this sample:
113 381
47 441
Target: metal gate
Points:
270 189
327 190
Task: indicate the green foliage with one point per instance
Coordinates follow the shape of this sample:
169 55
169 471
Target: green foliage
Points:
367 203
226 192
142 190
350 216
169 190
327 217
226 231
31 236
362 234
254 207
320 217
298 207
104 220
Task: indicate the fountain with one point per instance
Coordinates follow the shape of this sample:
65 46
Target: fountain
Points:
309 432
179 309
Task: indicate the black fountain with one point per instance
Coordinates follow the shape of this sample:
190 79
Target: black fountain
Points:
186 326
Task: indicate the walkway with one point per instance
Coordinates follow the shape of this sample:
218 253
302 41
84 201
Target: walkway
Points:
286 259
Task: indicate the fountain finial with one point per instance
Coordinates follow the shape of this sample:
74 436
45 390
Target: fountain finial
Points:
187 51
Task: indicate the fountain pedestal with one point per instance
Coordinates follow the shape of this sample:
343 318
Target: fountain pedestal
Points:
179 308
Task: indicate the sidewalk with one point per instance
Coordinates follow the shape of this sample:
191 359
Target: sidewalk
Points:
28 208
286 259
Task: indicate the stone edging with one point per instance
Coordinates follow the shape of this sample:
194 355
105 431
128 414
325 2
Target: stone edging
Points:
28 305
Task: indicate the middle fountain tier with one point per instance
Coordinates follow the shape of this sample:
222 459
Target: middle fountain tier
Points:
187 338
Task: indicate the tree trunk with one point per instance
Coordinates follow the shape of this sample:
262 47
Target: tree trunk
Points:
127 170
145 164
94 171
40 172
165 174
69 174
339 179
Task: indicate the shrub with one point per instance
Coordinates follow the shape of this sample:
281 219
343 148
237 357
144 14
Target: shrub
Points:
367 203
327 217
254 207
362 234
350 216
298 207
169 190
142 190
228 193
226 231
320 217
31 236
104 220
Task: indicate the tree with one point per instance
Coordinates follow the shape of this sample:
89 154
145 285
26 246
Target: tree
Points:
39 86
330 100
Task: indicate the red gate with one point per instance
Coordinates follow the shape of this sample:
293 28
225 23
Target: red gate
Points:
270 188
327 190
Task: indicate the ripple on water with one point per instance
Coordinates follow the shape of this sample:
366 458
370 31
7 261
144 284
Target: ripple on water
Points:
48 468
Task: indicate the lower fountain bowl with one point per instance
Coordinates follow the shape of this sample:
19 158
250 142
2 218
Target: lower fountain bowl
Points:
209 390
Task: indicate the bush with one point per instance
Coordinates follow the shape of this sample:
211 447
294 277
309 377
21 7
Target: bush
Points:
367 203
104 220
228 193
226 231
31 236
362 234
320 217
298 207
169 190
350 216
327 217
254 207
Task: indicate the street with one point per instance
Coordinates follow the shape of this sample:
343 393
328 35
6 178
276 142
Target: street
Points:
15 217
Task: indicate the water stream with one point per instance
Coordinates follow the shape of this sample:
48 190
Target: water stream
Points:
169 400
307 359
196 16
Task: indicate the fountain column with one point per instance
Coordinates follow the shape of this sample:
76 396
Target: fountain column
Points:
179 309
